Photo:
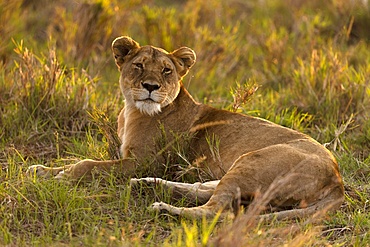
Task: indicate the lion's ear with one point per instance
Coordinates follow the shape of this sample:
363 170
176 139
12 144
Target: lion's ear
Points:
121 46
185 59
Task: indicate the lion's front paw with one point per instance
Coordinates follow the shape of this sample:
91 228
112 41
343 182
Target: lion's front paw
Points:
147 181
39 171
45 172
159 207
134 181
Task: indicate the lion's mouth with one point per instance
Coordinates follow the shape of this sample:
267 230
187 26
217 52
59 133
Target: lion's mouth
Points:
147 100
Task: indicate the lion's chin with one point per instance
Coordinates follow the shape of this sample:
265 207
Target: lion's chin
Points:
148 107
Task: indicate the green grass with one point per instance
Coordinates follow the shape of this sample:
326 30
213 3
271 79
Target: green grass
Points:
59 100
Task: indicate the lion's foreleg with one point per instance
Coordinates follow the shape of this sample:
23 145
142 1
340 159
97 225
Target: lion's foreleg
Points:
194 193
44 171
84 168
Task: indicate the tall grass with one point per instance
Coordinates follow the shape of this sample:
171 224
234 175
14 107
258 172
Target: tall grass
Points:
59 98
43 98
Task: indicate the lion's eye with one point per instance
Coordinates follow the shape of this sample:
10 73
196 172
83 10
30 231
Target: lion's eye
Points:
166 71
139 65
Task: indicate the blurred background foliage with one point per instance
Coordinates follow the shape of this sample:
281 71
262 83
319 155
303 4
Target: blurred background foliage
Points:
309 60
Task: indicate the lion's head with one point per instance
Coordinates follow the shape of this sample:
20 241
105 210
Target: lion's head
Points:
150 77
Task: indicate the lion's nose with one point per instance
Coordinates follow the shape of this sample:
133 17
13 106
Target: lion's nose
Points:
150 86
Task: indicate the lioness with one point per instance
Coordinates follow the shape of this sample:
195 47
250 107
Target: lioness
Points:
252 153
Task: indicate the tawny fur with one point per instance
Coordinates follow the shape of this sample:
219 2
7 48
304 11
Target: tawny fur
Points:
253 154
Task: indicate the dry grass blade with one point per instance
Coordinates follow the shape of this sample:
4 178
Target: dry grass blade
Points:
108 129
242 94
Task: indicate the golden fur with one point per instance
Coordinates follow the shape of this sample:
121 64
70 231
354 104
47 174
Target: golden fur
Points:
253 153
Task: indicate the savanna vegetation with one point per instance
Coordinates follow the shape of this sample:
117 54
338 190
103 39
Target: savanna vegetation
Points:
304 64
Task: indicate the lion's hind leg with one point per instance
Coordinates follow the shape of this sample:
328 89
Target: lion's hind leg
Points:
194 193
332 200
194 212
306 183
217 204
220 201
